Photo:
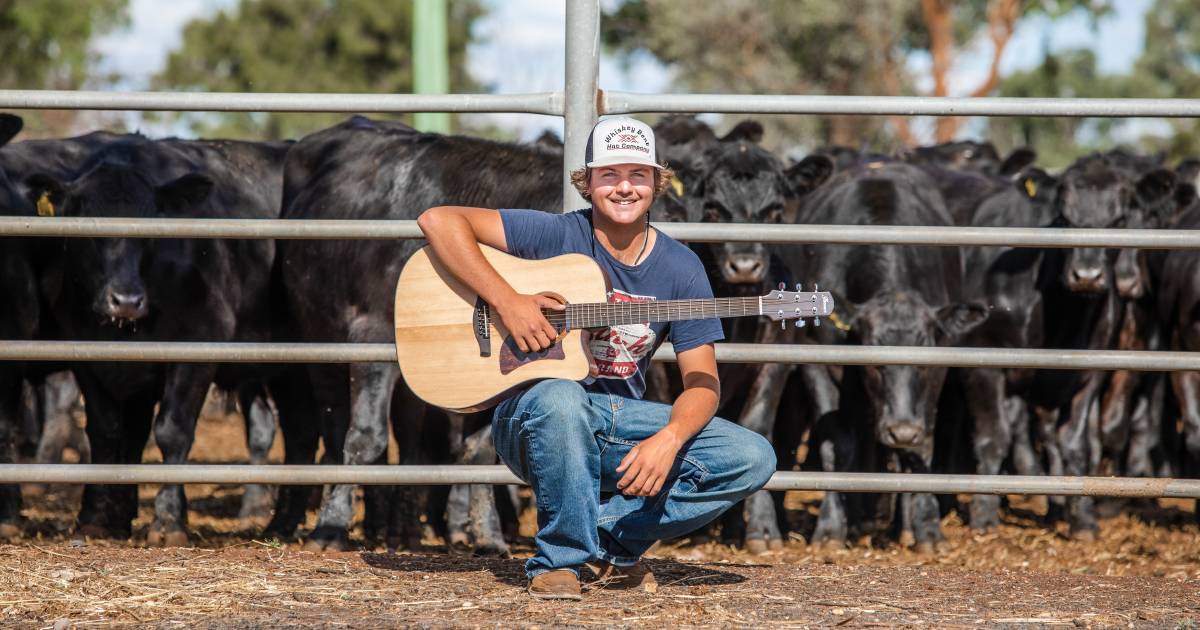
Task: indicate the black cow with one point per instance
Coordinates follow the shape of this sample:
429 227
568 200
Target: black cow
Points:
1179 306
1082 311
886 295
160 290
1005 280
734 180
344 291
22 281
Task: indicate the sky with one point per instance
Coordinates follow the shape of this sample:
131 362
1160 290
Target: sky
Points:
521 49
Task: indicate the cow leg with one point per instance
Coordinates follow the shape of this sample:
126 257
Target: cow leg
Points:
299 424
923 508
58 400
1048 439
483 523
992 441
1016 415
420 432
758 415
370 396
458 513
259 419
30 424
1115 413
117 432
174 431
10 419
836 453
1187 393
1075 438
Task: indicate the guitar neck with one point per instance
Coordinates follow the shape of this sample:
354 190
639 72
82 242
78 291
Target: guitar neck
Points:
604 314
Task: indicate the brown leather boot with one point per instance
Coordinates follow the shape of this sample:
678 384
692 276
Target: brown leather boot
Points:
609 575
556 584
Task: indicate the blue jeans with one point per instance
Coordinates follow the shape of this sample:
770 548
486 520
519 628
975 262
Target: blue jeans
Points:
566 443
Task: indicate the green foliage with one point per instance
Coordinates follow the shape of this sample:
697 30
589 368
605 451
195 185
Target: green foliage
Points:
44 45
305 46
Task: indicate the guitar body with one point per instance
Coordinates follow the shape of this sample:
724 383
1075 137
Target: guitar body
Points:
436 318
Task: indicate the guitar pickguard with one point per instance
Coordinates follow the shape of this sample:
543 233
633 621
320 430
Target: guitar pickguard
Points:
512 358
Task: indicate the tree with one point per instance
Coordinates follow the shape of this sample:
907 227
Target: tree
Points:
851 48
45 45
305 46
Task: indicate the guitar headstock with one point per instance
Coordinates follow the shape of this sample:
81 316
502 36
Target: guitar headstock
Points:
781 305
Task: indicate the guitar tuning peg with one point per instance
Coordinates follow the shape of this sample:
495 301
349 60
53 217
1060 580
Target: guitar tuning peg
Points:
800 323
798 289
782 286
816 321
782 324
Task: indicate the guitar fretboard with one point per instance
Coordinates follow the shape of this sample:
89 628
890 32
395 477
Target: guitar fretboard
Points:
604 314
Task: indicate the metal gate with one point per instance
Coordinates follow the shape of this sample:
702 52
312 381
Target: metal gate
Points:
580 103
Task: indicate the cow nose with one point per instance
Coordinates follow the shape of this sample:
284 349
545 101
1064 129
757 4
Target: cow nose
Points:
126 304
1129 287
904 433
743 269
1088 277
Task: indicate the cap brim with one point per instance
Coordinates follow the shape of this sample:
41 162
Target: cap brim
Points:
613 161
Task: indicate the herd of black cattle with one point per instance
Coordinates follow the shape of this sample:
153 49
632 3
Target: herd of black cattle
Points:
897 418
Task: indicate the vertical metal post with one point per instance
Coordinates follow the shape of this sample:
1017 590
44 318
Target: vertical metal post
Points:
579 104
431 64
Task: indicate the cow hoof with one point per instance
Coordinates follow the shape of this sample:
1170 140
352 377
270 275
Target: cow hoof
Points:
756 545
832 544
459 544
492 550
410 543
9 531
907 540
775 544
927 548
326 539
170 538
1084 535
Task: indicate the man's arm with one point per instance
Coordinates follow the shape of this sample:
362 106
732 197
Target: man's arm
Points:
647 465
454 233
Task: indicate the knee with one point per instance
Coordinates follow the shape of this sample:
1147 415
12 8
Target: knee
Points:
556 403
753 461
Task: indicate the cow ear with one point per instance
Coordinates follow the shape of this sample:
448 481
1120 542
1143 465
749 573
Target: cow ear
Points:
956 320
804 176
1037 184
748 130
188 190
45 193
1017 161
1156 185
10 126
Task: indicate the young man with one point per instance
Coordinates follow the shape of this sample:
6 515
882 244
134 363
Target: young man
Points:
611 473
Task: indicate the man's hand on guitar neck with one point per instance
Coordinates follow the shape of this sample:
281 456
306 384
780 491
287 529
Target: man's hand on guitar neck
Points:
522 316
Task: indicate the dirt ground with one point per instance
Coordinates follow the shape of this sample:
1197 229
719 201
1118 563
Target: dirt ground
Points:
1142 571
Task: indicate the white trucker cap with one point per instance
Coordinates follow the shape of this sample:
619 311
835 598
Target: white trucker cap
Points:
620 141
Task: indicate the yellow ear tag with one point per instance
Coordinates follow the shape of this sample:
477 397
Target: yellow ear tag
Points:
677 186
44 207
838 322
1030 188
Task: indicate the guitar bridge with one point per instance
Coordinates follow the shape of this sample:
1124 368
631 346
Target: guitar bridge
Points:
483 330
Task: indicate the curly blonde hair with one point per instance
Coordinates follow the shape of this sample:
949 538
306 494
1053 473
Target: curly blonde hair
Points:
662 178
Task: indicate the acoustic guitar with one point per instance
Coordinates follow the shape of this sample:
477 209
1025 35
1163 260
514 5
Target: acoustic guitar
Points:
454 354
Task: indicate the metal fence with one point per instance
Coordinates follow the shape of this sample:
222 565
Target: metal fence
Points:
580 103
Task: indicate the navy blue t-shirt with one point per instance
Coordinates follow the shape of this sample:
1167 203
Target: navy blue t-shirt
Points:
670 271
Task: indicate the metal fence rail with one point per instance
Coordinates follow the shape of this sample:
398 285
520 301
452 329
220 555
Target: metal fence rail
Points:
692 232
550 103
185 351
615 102
438 475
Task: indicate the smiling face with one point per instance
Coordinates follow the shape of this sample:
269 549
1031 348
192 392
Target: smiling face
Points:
622 193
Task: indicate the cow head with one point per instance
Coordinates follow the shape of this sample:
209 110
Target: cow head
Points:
1093 194
744 183
111 272
903 398
1153 206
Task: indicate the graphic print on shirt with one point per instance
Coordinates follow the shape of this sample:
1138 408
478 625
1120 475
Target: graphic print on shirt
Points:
618 349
